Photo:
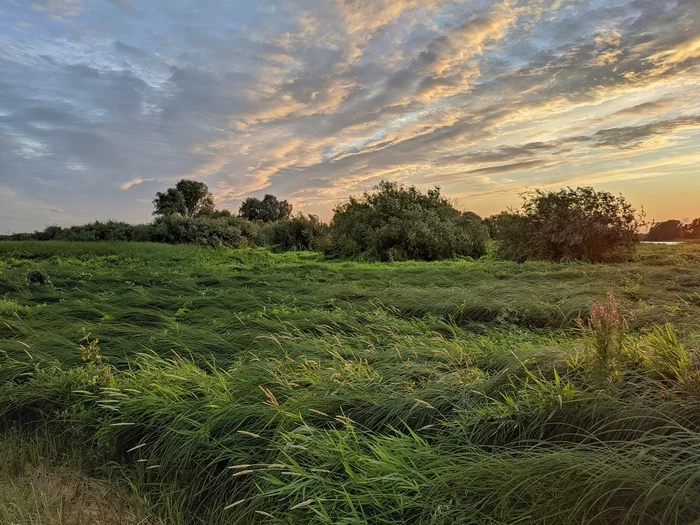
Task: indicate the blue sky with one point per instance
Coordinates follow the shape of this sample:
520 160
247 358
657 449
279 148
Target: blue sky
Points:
105 102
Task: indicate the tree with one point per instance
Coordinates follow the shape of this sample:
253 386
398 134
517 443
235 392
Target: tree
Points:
692 230
570 224
299 233
269 209
665 231
494 222
396 223
222 214
188 199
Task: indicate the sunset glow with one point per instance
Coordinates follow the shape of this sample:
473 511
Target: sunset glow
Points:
103 103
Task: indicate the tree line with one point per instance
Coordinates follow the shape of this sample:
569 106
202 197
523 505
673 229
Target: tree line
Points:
391 223
673 230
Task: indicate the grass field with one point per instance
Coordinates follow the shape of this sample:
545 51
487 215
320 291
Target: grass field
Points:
243 386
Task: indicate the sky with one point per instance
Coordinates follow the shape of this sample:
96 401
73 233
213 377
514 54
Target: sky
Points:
105 102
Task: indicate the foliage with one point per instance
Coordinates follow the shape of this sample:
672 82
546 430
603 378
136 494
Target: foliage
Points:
221 214
403 223
300 232
492 224
665 231
514 231
673 230
606 331
90 351
110 231
692 230
570 224
172 229
35 490
247 383
269 209
231 231
11 308
187 199
37 276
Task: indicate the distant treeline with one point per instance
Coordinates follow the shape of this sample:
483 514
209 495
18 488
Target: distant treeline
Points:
673 230
296 233
391 223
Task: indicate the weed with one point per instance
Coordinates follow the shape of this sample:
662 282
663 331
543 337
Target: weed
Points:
606 331
90 351
11 308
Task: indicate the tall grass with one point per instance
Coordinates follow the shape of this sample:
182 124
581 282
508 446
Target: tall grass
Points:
245 387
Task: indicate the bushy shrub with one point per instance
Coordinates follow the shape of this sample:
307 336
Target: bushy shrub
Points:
106 231
672 230
301 232
569 224
174 229
232 231
400 223
92 232
37 276
514 231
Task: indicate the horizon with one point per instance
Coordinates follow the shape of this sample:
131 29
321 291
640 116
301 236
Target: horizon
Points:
102 104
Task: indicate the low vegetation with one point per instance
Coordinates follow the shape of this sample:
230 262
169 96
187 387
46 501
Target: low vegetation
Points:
36 491
673 230
402 223
391 223
246 386
299 233
570 224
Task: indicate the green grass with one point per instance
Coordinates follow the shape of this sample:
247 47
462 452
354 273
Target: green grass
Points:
241 386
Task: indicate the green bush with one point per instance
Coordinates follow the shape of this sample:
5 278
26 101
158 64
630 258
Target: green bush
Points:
672 230
233 231
403 223
301 232
91 232
172 229
106 231
37 276
570 224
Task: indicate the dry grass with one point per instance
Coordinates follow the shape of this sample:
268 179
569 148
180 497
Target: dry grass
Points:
40 495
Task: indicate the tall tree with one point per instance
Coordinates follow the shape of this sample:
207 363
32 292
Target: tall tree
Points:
269 209
188 198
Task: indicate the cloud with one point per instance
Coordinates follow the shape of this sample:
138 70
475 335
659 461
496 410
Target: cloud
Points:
57 8
57 210
370 15
131 183
636 136
313 99
645 109
507 168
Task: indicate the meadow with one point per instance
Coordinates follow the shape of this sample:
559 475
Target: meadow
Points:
214 385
